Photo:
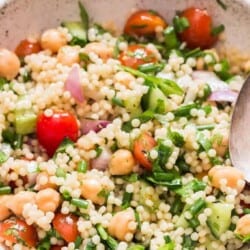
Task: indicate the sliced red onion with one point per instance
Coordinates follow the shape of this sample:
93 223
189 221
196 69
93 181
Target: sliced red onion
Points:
211 79
223 96
102 161
73 84
93 125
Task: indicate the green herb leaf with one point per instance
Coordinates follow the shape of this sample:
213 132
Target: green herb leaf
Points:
176 138
127 197
117 101
167 86
143 117
180 24
84 16
222 4
170 38
82 166
80 203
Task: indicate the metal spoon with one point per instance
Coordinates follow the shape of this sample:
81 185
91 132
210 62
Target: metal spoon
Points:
239 140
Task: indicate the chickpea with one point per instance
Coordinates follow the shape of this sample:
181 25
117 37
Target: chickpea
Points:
243 225
233 176
4 211
221 145
68 55
17 201
53 40
91 189
120 224
124 78
101 49
48 200
9 64
122 162
42 182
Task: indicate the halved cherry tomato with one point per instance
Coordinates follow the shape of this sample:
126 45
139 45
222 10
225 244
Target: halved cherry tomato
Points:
14 230
144 23
136 55
26 47
142 146
199 32
53 129
66 226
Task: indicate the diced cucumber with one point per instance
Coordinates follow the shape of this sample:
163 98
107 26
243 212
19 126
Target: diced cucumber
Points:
25 122
145 196
155 100
78 32
182 222
132 105
220 219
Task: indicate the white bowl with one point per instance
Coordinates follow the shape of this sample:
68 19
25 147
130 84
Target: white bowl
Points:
19 18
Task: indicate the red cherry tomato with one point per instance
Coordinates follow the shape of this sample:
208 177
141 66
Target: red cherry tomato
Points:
199 32
136 55
14 230
144 23
66 226
52 130
142 146
26 47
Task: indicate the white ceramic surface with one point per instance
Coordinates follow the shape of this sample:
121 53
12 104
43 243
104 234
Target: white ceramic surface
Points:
19 18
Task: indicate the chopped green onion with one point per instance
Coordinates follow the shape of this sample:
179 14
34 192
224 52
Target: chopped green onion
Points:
131 178
207 109
167 86
112 243
5 190
104 193
193 222
197 52
196 208
206 92
177 206
102 232
78 242
137 219
182 165
60 172
3 81
90 246
151 67
204 142
80 203
143 118
84 57
184 111
127 197
63 146
66 195
222 4
136 247
82 167
117 101
180 24
3 157
27 76
170 38
217 30
205 127
224 72
188 244
100 29
98 151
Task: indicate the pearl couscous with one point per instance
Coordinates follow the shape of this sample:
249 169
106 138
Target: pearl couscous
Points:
120 142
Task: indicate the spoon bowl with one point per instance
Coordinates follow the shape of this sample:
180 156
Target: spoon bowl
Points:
239 140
